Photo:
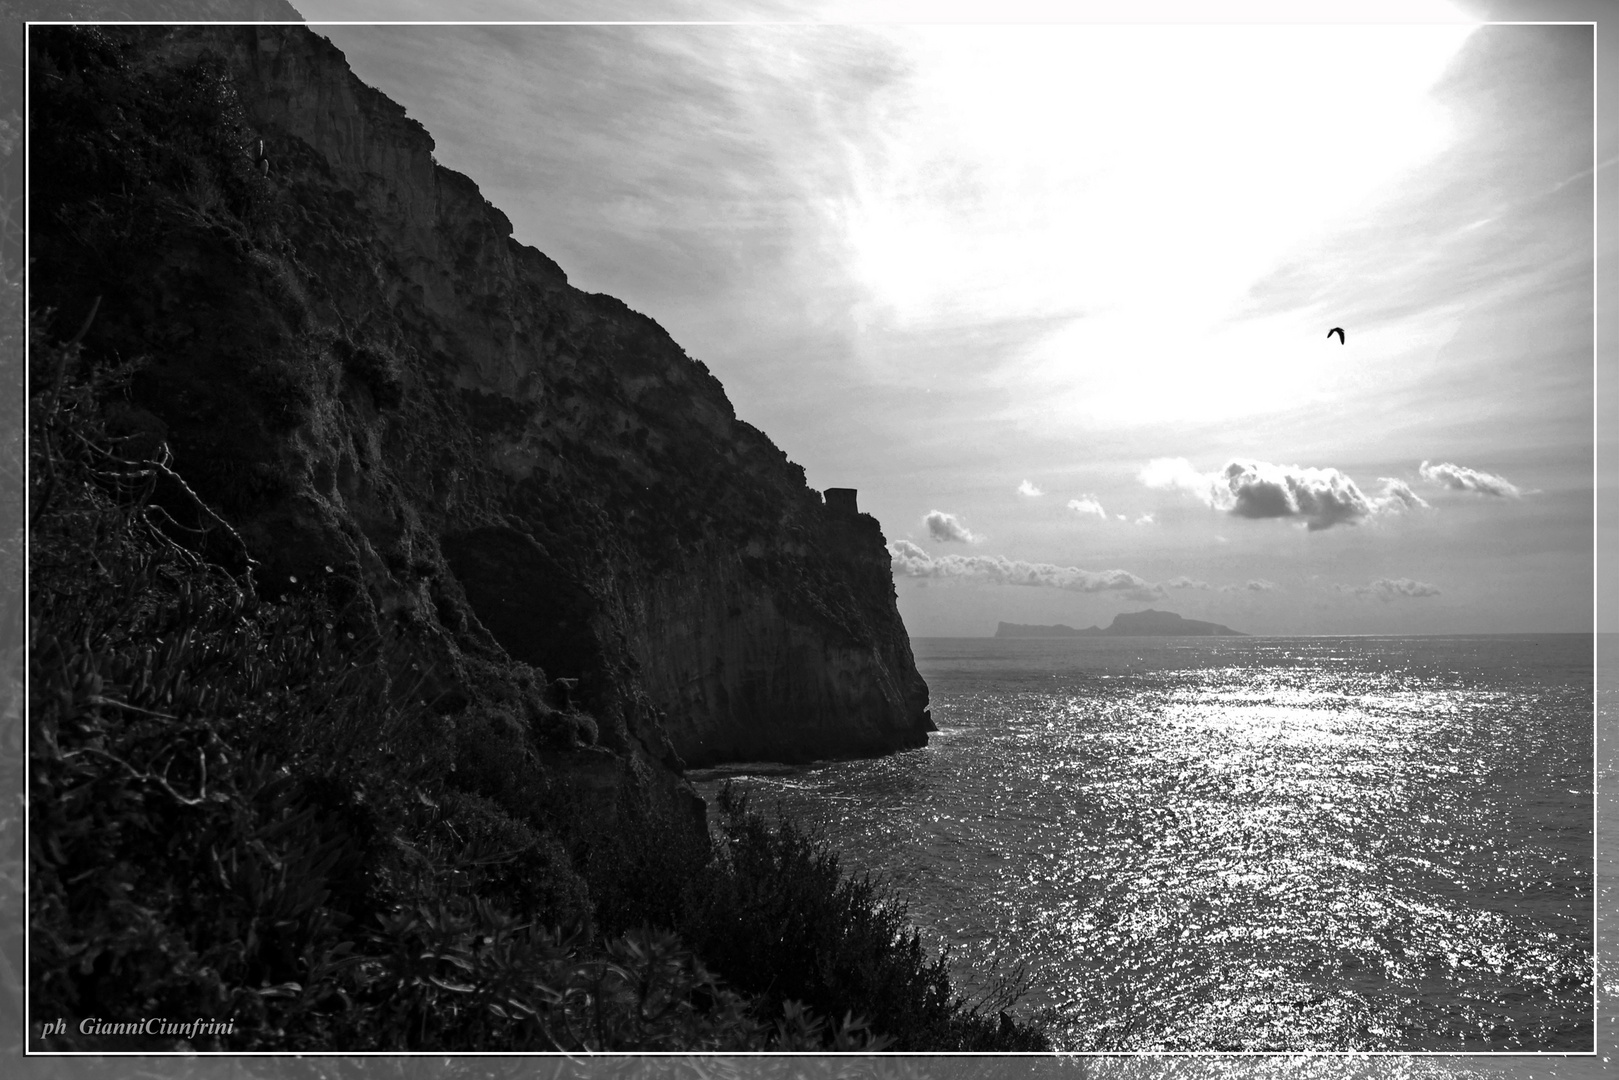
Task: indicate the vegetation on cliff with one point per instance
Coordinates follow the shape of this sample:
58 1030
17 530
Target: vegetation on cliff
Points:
238 814
255 793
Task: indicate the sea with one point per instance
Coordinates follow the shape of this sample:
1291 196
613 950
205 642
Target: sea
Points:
1271 844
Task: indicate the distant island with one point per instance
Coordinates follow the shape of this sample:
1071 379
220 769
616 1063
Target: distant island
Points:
1136 624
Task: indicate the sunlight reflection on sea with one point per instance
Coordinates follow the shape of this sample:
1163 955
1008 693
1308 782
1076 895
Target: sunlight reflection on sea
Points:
1250 844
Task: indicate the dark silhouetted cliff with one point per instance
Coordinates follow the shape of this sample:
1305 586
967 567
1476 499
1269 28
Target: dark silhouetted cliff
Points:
381 584
354 362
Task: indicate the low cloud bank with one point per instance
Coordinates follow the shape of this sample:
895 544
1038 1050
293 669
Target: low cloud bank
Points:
1251 585
911 561
1461 478
1321 498
947 528
1386 589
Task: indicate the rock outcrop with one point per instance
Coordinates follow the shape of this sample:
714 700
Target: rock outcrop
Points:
1152 622
352 361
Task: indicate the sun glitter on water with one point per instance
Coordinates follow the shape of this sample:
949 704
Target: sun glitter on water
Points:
1260 844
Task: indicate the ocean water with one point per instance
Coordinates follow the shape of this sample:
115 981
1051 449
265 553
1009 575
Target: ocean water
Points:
1243 843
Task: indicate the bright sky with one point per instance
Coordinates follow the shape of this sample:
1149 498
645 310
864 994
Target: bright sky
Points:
1055 298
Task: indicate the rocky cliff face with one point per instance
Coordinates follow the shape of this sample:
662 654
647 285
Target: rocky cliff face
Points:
355 363
788 672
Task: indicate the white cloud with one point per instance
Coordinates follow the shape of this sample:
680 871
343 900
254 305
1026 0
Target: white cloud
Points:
947 528
1387 589
1460 478
1029 489
1397 495
1144 519
1178 473
1087 504
911 561
1322 498
1251 585
904 549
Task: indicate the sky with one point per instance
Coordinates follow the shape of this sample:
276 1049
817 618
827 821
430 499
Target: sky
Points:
1056 297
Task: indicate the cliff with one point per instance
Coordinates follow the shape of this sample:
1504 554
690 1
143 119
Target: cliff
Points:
1135 624
504 478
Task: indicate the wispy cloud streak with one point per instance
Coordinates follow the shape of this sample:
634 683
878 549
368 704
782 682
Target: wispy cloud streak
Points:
1387 589
1184 582
912 561
1251 585
1461 478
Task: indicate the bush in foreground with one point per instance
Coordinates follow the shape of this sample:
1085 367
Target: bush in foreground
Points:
778 916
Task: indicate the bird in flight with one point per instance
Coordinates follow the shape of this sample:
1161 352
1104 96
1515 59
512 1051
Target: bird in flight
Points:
1339 331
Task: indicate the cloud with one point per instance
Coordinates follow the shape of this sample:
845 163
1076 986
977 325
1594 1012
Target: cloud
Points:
1322 498
1087 504
1387 589
1397 495
1144 519
911 561
1178 473
1459 478
1029 489
904 549
947 528
1251 585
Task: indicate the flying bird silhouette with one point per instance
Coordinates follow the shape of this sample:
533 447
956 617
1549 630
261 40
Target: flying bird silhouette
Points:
1339 331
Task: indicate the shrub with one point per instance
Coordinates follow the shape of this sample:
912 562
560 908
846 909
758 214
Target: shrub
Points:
376 367
169 136
778 917
640 869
